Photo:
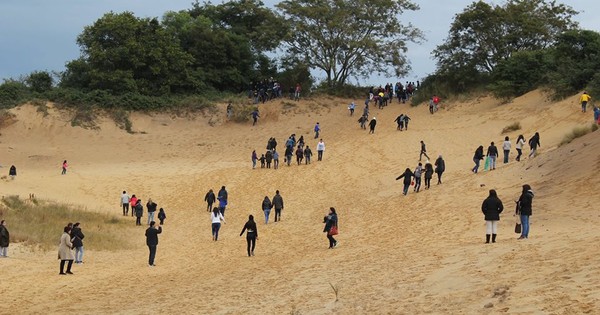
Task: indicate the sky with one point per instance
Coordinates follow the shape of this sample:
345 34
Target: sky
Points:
41 34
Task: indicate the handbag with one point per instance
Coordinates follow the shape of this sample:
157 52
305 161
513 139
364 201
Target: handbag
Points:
333 231
518 228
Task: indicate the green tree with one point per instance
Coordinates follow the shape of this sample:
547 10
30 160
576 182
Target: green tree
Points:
483 34
347 38
40 81
524 71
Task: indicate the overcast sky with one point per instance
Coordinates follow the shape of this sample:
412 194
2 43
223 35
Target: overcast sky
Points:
40 34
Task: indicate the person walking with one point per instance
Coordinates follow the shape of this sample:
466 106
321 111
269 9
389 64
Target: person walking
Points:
262 161
267 206
477 158
372 125
428 175
297 92
407 175
440 168
65 251
269 158
320 149
133 202
423 151
317 130
506 148
406 119
492 153
152 241
534 143
222 197
251 234
583 100
64 167
278 205
139 212
519 146
77 240
288 155
210 199
125 202
491 208
418 172
400 122
162 216
4 239
524 209
12 172
351 108
299 155
254 158
307 154
275 159
363 122
331 227
151 208
216 218
255 116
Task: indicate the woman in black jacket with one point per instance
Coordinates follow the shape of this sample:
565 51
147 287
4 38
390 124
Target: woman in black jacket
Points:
428 175
408 175
525 210
440 168
491 208
331 227
477 158
251 235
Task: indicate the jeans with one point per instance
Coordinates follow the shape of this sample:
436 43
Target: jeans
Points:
332 241
439 175
405 190
307 159
215 230
3 251
209 206
277 214
152 255
476 168
417 183
79 254
125 208
506 152
251 241
427 182
520 152
583 106
532 153
150 217
138 220
525 226
267 213
316 134
288 159
222 210
253 163
320 155
64 171
492 162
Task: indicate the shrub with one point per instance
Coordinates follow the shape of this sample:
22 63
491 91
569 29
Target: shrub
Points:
121 119
85 117
13 93
6 118
241 113
512 127
577 132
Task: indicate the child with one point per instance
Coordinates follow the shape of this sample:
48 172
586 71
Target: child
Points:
262 161
64 167
162 216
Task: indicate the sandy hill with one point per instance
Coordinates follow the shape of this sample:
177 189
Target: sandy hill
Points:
421 253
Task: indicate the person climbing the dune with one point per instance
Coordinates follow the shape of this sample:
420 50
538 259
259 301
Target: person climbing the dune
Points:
210 199
64 167
251 234
320 149
407 175
400 121
477 158
428 174
584 100
492 153
406 119
519 147
534 143
223 197
331 227
440 168
423 151
307 154
418 172
372 125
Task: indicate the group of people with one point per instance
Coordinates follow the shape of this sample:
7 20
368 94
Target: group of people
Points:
267 90
12 171
492 153
137 209
492 207
293 147
414 178
70 247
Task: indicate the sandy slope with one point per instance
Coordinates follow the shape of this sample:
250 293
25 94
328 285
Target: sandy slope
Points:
423 253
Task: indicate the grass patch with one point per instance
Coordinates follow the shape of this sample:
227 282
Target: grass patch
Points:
42 106
512 127
241 113
7 118
40 223
84 117
578 132
121 119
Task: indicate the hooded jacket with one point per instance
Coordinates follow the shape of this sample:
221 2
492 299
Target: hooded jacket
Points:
525 202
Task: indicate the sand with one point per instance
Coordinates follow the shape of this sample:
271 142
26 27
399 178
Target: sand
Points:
421 253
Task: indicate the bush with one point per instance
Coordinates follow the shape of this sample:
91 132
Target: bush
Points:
85 117
241 113
121 119
13 93
6 118
512 127
578 132
345 91
519 74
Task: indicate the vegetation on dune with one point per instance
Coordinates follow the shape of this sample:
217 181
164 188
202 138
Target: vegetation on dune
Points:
40 223
578 132
512 127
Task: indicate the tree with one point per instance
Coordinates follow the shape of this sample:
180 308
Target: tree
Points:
483 35
350 37
524 71
40 81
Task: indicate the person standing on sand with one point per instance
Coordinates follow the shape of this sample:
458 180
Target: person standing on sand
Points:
151 208
77 240
275 159
251 235
407 175
267 206
519 146
400 121
222 197
65 251
317 130
210 199
139 212
331 227
254 158
506 148
278 205
492 153
423 151
299 155
583 100
320 149
406 119
216 217
152 241
64 167
12 172
534 143
363 122
428 174
255 116
125 202
440 168
491 208
351 108
288 155
162 216
133 202
477 158
524 209
372 125
4 239
596 115
307 154
269 158
262 161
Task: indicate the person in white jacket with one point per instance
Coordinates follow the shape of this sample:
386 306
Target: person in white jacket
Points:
216 217
519 146
506 147
320 149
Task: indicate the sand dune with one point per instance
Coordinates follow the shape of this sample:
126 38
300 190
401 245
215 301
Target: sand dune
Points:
422 253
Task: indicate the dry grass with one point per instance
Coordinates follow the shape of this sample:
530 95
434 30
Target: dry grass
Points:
40 223
512 127
6 118
578 132
121 119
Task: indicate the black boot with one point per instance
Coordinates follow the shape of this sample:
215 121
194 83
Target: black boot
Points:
493 238
487 238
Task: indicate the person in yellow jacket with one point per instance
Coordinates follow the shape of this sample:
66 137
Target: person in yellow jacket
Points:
584 100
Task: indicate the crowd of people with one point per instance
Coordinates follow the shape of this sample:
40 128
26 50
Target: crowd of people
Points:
269 89
297 149
492 154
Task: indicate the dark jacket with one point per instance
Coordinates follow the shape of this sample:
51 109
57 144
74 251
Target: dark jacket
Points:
428 171
12 171
408 175
223 194
440 165
210 197
266 204
278 201
478 154
152 235
525 202
162 215
288 151
331 221
372 123
492 150
250 226
308 152
4 236
534 142
151 207
77 237
491 208
269 156
139 210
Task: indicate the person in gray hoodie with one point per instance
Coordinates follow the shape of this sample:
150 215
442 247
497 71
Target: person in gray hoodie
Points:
278 205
